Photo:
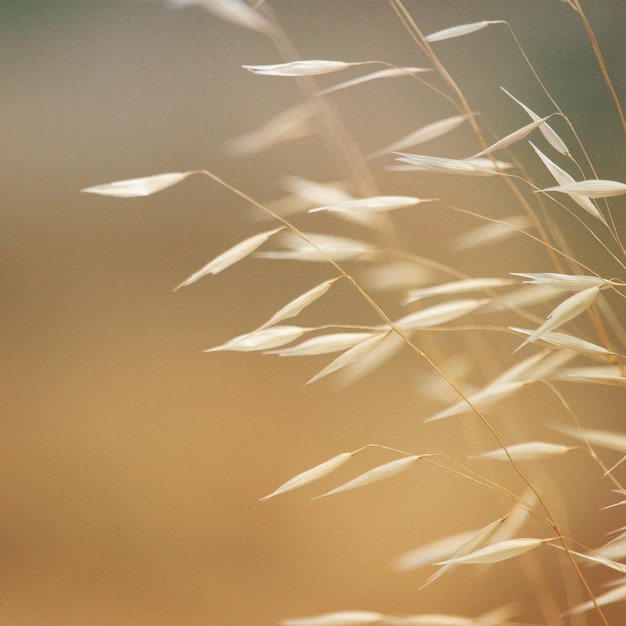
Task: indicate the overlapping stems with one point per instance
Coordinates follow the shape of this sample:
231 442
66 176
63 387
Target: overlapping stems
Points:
586 288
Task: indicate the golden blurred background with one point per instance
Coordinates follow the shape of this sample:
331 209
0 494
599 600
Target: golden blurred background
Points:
132 463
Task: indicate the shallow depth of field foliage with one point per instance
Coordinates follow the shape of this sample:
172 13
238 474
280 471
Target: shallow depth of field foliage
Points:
481 252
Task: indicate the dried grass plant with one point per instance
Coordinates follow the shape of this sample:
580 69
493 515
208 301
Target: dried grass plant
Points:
486 344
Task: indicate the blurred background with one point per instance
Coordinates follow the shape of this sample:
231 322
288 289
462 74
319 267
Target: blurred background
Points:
132 463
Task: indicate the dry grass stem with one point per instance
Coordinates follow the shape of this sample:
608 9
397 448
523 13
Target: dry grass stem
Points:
367 225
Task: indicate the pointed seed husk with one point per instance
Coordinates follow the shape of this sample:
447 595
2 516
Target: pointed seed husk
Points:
374 475
136 187
527 451
310 475
230 257
458 31
294 307
496 552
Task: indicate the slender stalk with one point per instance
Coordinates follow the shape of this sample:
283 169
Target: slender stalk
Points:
384 317
598 53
